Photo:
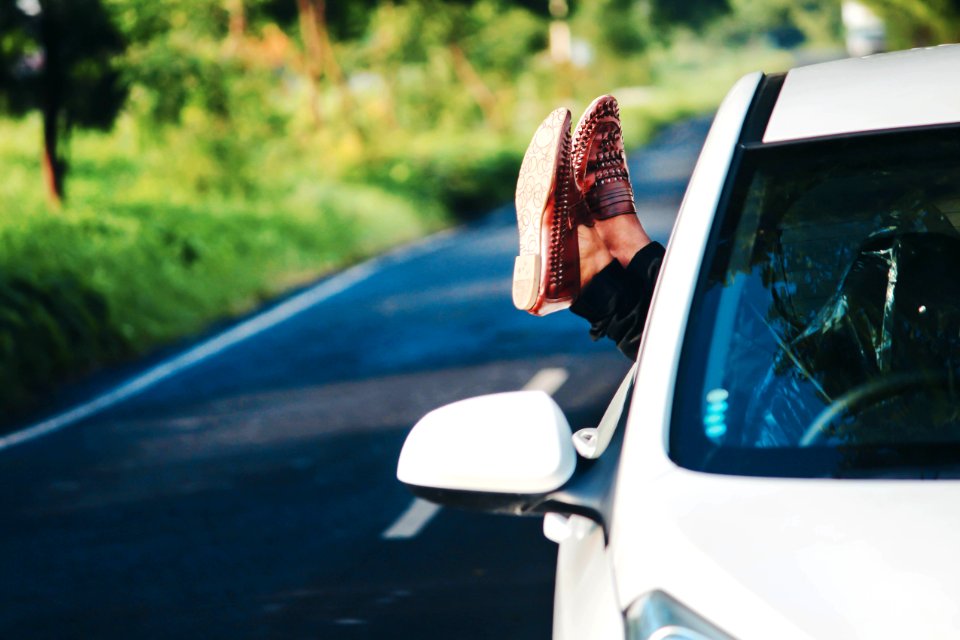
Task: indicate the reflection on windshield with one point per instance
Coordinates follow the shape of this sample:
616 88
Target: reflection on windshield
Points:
830 317
896 311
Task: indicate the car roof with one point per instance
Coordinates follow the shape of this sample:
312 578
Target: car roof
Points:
911 88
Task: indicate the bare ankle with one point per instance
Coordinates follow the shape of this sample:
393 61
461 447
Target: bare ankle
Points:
594 256
623 236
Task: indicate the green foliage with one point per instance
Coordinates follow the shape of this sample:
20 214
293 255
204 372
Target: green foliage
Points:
242 166
622 26
58 57
465 179
783 23
139 258
912 23
175 60
52 328
690 13
500 39
144 20
64 53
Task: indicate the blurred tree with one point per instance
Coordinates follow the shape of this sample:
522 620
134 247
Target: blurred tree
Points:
173 57
914 23
630 32
783 23
625 28
207 73
689 13
454 59
238 23
316 22
58 56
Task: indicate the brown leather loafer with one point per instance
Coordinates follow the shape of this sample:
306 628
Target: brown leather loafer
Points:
546 274
599 161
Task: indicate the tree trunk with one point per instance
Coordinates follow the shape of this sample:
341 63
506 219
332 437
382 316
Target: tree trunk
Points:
313 50
321 61
51 105
238 24
478 89
332 68
53 165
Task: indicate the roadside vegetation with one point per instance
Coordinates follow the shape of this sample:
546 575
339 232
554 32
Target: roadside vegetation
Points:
221 152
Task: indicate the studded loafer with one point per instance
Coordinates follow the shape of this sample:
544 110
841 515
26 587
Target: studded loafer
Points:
546 274
599 161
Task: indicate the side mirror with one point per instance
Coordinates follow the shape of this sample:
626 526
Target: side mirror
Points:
504 452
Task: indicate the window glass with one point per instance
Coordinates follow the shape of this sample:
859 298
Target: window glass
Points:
824 338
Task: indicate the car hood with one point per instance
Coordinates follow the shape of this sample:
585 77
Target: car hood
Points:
781 558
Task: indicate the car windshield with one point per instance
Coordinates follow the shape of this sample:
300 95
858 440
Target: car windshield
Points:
824 337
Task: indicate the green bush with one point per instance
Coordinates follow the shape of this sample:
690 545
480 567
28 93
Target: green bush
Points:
140 257
52 328
465 182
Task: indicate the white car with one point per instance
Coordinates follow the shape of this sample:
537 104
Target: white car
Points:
782 460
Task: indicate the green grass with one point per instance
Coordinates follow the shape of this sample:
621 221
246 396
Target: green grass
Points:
137 258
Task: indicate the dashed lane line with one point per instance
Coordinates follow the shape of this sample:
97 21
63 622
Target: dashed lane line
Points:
547 380
420 512
412 521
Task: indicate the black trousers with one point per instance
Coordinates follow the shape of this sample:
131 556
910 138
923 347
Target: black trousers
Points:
617 299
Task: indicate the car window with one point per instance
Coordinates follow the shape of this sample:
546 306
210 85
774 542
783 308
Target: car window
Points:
824 338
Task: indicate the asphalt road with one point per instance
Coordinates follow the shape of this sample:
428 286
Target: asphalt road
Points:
249 491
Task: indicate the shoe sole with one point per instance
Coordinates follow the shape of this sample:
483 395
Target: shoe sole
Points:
592 112
536 186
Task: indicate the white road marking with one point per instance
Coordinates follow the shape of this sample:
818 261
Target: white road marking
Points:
217 344
548 380
412 521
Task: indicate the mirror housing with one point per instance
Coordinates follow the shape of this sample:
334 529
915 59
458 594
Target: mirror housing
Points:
504 452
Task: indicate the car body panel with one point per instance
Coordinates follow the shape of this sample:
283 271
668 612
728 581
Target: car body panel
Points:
645 441
820 100
585 602
576 586
764 557
787 558
759 557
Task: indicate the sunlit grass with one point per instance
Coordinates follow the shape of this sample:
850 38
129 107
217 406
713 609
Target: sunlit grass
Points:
137 257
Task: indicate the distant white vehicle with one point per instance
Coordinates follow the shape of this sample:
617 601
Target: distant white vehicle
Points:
782 461
864 31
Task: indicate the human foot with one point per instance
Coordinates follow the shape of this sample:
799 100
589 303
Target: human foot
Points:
600 171
600 163
546 274
594 256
